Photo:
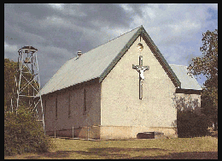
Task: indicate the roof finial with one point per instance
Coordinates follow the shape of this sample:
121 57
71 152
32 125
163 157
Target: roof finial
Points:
79 53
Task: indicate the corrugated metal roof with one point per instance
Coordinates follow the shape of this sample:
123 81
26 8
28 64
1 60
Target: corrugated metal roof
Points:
89 65
187 82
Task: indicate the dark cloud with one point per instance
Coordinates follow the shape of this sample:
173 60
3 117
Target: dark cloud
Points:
86 15
137 9
59 31
33 11
28 18
110 14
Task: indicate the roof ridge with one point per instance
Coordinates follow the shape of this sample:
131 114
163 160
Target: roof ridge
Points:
123 34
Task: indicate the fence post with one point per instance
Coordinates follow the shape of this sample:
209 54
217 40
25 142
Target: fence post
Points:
88 132
73 134
54 133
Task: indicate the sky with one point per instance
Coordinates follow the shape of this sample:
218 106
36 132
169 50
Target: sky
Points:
58 31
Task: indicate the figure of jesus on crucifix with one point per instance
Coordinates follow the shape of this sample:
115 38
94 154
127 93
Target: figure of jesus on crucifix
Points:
140 69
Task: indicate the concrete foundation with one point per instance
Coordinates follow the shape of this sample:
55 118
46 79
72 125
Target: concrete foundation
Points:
110 132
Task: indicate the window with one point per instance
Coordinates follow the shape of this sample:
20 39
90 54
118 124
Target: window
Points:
84 104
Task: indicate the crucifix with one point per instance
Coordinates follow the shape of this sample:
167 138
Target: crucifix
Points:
140 69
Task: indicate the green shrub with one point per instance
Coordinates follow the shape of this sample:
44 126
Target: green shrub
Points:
22 133
191 122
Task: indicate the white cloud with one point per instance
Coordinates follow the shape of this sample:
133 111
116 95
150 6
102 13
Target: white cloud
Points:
176 19
58 6
175 29
10 48
56 21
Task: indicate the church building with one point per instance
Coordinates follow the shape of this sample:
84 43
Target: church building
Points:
116 90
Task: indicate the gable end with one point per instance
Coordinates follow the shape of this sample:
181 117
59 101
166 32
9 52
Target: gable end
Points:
160 58
142 32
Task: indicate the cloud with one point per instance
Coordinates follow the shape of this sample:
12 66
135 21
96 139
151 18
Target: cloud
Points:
58 6
10 48
58 31
175 29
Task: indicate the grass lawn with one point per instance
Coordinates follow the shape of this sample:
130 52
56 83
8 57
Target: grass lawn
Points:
179 148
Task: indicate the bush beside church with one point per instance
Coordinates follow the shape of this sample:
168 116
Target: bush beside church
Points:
22 133
191 122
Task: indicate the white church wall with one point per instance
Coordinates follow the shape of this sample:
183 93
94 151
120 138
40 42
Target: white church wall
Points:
190 97
70 109
120 103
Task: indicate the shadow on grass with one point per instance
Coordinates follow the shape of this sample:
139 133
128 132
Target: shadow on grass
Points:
184 155
123 153
108 153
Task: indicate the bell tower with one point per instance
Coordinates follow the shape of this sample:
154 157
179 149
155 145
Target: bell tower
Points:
28 82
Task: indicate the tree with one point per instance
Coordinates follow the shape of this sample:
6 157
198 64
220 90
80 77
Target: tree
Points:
9 81
22 133
207 65
11 74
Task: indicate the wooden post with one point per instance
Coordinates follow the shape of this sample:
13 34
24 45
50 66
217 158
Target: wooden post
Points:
54 133
88 132
73 134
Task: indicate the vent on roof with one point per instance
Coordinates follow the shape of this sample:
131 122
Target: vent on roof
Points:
79 53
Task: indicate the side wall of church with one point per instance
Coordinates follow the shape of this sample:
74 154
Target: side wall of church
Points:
120 103
76 107
195 98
